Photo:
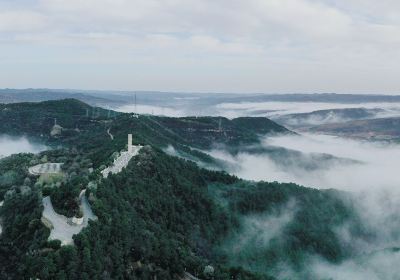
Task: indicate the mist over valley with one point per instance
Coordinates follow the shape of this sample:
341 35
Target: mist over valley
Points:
13 145
199 140
281 203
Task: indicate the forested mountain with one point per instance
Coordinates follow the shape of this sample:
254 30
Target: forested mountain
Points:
162 216
107 130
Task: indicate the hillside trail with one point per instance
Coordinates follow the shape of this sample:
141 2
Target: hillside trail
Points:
109 133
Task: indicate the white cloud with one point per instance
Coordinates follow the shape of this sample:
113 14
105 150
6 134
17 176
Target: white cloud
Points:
257 230
374 168
372 187
252 45
11 145
21 21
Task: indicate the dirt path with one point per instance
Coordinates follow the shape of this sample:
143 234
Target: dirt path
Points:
109 133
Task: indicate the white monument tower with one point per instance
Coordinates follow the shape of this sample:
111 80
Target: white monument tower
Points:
130 143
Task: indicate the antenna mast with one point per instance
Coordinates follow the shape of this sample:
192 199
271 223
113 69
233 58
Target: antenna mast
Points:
135 105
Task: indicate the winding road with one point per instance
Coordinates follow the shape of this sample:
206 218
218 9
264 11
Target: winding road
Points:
109 133
63 229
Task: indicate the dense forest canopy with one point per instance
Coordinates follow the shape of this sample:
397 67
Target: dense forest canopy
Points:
162 216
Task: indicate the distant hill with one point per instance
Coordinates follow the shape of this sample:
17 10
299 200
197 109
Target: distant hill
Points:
35 119
325 98
38 95
193 102
374 129
327 116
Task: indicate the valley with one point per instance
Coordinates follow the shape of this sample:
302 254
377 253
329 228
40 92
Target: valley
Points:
199 140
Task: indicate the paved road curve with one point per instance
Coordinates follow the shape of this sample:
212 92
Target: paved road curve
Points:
63 230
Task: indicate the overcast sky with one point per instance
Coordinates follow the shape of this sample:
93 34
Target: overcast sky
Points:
267 46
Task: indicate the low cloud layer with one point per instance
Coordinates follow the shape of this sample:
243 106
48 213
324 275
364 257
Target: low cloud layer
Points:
273 110
375 165
259 230
256 233
371 179
11 145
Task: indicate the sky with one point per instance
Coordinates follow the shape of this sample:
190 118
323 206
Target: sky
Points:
244 46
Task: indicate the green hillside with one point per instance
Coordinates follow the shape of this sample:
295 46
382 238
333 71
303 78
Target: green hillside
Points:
170 216
162 216
86 127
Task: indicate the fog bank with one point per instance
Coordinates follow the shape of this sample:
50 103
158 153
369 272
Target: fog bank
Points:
370 175
14 145
375 165
270 109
